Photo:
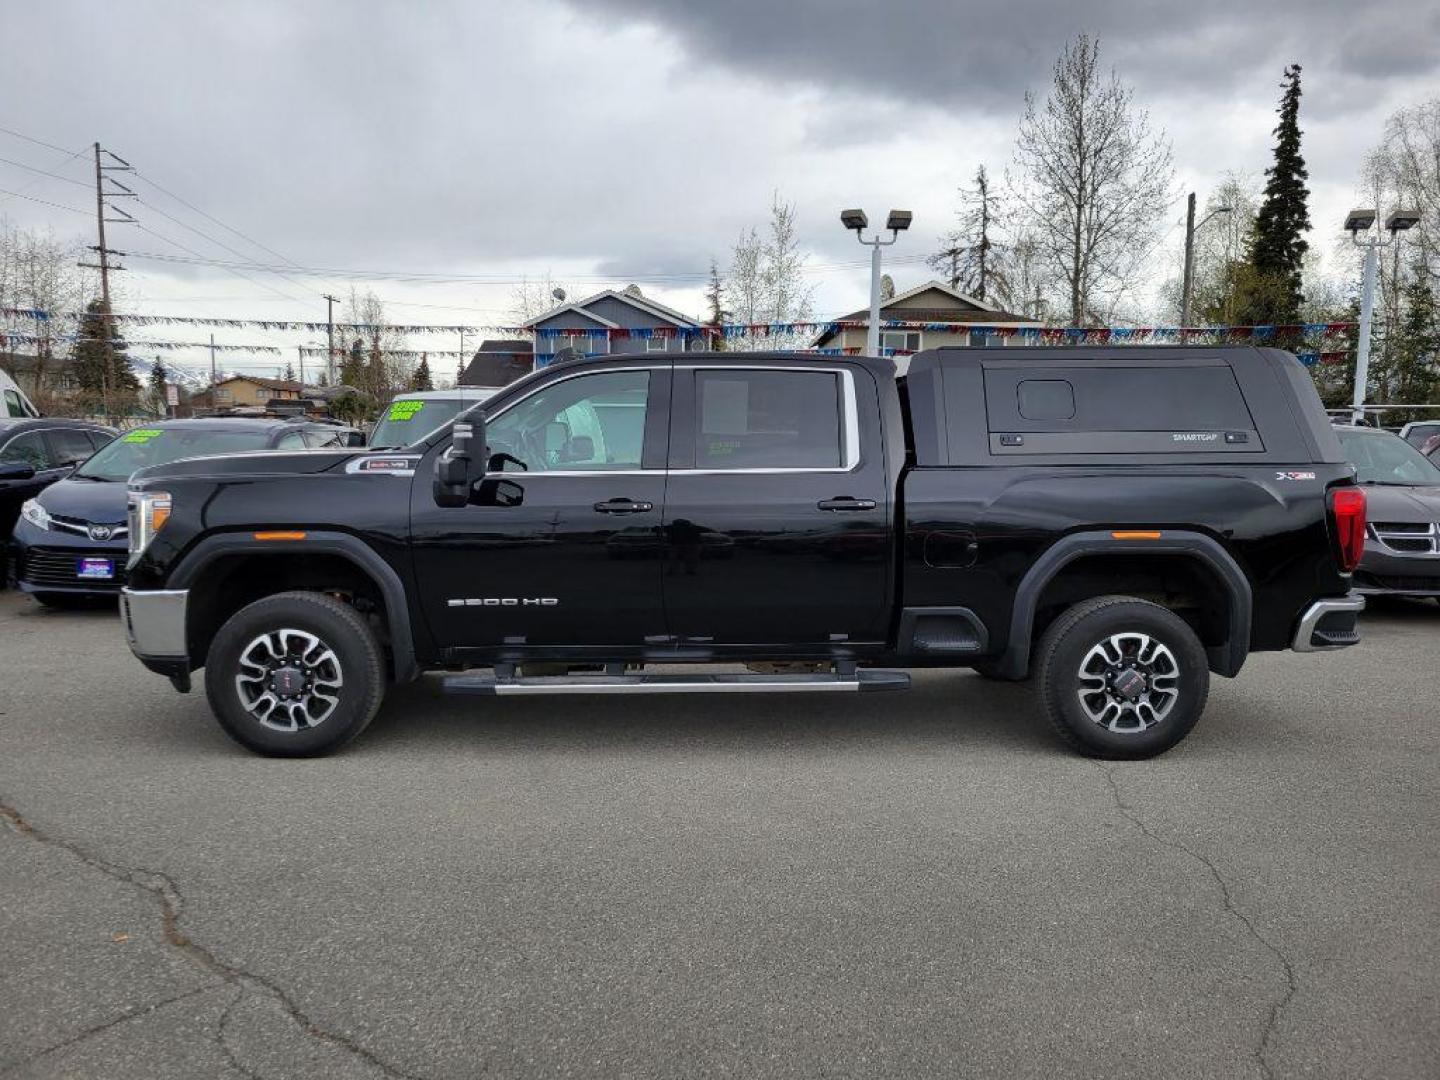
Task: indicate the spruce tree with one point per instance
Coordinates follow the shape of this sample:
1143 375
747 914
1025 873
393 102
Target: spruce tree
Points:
420 379
1278 244
352 367
102 367
715 299
1415 347
289 375
159 379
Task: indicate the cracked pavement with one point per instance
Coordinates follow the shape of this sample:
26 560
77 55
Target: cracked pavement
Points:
908 885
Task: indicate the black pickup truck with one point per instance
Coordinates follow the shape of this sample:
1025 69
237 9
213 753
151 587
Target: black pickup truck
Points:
1114 523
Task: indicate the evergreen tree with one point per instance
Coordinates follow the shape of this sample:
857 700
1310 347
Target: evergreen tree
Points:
159 378
352 367
102 367
421 380
715 300
1278 244
1414 353
289 375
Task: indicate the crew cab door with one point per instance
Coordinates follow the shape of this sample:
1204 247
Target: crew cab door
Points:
561 546
777 508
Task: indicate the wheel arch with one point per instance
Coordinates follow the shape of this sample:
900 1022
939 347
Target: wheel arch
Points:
1200 553
321 558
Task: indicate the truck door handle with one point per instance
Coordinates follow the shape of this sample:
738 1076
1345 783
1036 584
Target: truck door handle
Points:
845 502
623 506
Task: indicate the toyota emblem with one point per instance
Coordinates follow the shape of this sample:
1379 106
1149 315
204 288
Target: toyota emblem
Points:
101 532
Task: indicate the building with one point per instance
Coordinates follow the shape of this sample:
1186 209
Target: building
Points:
497 363
57 373
253 391
946 313
613 321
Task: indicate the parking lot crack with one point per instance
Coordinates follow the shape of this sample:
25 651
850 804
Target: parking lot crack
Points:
1277 1007
125 1017
171 904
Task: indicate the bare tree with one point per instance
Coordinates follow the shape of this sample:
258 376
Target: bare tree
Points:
1093 181
767 276
531 298
384 369
38 272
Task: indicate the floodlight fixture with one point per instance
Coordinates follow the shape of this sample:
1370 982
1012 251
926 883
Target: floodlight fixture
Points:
1400 220
854 219
898 221
1359 220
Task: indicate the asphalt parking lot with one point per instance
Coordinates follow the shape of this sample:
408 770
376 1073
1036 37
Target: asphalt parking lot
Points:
908 885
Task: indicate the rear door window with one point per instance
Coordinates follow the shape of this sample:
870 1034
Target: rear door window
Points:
13 406
752 419
29 448
70 445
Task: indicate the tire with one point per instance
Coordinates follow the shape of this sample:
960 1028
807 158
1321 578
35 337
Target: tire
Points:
301 641
1078 664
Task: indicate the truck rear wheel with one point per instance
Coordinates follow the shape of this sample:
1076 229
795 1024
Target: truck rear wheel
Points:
1122 678
296 674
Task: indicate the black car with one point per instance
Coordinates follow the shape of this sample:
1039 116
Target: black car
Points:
1402 556
69 541
36 453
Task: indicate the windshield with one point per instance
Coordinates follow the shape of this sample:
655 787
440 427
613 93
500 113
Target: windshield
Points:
1387 459
408 420
159 446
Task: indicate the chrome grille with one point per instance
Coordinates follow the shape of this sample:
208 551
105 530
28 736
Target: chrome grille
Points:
56 567
1407 537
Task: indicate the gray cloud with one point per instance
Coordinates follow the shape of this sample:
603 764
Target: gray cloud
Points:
633 138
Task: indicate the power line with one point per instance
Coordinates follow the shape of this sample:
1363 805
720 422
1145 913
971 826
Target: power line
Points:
218 243
200 258
46 172
43 202
211 217
37 142
480 279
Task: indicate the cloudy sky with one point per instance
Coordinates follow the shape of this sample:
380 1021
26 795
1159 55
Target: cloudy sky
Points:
621 140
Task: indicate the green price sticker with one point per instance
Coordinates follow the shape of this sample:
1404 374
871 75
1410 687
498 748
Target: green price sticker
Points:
404 410
142 435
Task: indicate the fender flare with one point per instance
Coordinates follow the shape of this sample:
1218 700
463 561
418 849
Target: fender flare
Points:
1225 659
351 548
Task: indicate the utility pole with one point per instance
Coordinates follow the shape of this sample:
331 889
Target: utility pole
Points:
1188 280
300 352
330 339
103 265
212 372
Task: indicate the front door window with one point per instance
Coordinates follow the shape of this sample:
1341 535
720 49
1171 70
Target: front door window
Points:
593 423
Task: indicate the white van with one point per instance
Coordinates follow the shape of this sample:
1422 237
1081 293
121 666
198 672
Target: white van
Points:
14 405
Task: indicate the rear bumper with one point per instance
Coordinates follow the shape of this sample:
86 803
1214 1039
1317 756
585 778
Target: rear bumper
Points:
154 621
1329 624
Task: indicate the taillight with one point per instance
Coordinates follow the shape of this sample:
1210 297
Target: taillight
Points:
1347 512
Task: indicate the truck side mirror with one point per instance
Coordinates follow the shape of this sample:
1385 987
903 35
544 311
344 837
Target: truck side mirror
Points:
460 468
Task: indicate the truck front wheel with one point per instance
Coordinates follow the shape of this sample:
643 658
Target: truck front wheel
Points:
296 674
1122 678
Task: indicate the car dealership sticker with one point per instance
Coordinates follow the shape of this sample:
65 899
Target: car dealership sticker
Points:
142 435
404 410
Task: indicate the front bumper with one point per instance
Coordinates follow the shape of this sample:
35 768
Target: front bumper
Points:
154 621
46 561
1329 624
1384 573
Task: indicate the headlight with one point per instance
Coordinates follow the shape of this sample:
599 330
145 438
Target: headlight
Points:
149 510
36 514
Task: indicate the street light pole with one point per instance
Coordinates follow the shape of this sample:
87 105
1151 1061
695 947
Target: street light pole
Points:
897 222
1357 222
1191 229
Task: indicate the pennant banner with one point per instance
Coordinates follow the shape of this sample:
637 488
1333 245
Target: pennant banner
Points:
133 346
